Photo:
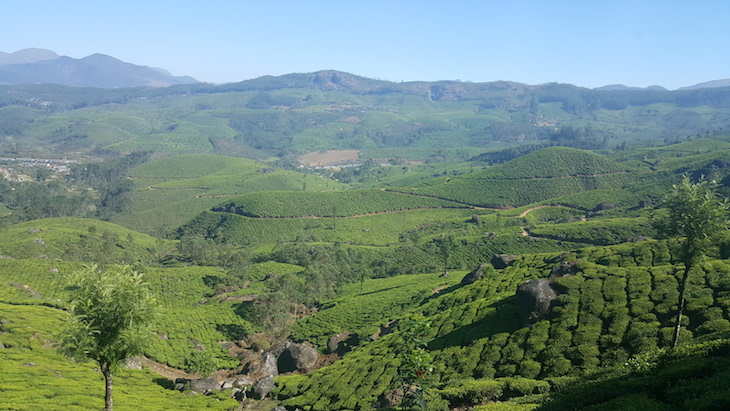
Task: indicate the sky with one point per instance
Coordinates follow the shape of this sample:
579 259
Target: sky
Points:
588 43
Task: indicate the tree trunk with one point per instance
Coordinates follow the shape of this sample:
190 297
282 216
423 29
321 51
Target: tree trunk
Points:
680 304
105 369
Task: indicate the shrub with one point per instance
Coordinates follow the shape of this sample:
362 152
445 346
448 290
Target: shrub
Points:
473 392
530 368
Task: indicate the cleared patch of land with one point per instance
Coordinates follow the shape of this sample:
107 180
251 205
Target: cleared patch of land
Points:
319 158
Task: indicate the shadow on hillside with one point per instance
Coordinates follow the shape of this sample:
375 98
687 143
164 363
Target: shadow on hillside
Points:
504 319
232 331
165 383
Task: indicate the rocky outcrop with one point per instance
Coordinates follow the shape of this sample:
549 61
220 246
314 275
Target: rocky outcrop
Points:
205 386
297 357
535 300
502 261
263 387
564 269
342 342
476 274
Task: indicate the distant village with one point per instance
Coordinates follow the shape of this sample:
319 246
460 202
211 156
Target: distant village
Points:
58 166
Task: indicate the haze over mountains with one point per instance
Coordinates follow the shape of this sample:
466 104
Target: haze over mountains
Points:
97 70
34 65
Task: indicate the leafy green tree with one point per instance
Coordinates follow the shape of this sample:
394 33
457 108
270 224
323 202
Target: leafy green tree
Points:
110 312
416 362
695 220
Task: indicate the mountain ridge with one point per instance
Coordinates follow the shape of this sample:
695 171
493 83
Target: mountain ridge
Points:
96 70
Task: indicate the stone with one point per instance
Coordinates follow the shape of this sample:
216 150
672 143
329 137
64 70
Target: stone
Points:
133 363
205 385
269 367
476 274
564 269
501 261
182 384
342 342
297 357
242 382
535 300
263 387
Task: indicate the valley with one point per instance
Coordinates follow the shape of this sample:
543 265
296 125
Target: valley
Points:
307 236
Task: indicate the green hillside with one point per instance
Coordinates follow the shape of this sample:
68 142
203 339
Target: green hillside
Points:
616 306
248 251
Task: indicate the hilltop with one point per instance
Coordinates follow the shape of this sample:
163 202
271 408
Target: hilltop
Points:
97 70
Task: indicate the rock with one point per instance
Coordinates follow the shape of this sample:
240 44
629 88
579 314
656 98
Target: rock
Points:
279 408
2 345
53 270
205 385
242 382
501 261
392 398
269 367
563 269
271 276
476 274
228 383
133 363
534 300
263 387
182 384
342 342
297 357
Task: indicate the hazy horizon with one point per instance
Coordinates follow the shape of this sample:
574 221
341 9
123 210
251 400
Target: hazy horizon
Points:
634 43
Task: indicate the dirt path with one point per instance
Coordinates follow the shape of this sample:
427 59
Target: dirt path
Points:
526 212
166 371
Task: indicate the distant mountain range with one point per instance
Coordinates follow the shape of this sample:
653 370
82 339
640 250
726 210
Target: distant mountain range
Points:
33 65
706 84
97 70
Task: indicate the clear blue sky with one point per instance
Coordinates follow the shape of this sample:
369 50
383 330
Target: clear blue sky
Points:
587 43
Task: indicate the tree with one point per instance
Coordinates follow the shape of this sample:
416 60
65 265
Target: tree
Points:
110 313
695 219
416 362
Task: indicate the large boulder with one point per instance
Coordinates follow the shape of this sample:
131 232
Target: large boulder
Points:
297 357
269 367
205 385
535 300
478 273
263 387
501 261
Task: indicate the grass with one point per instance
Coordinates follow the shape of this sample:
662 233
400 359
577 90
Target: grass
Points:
36 377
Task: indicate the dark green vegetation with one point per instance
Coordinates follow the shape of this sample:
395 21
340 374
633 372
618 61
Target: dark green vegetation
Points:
298 113
244 252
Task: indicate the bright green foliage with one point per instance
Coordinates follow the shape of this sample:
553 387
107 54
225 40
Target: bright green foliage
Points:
603 316
329 204
597 232
696 220
201 362
110 312
29 334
